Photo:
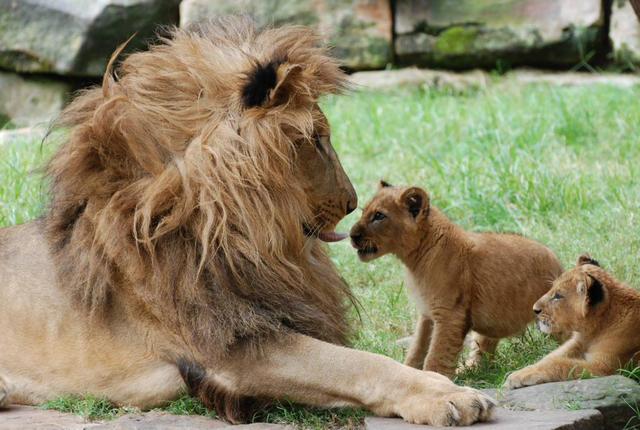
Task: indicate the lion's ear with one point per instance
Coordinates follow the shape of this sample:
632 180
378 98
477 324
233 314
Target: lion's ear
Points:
594 293
416 201
586 259
268 84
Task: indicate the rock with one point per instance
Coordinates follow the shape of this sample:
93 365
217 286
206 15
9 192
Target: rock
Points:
358 30
509 420
391 79
460 81
27 134
486 33
72 37
613 396
158 420
625 33
26 417
28 101
573 78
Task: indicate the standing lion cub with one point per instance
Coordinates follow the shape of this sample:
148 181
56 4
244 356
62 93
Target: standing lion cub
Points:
460 281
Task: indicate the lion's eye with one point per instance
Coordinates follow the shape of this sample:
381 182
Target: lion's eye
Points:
378 216
557 296
317 140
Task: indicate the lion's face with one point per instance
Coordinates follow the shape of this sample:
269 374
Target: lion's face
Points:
330 192
574 295
389 221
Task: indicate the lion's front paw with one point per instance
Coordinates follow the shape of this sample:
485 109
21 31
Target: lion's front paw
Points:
524 378
447 406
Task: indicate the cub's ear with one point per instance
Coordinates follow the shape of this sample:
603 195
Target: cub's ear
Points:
416 201
269 84
586 259
594 293
384 184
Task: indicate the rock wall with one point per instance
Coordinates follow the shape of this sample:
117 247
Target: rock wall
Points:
488 33
62 41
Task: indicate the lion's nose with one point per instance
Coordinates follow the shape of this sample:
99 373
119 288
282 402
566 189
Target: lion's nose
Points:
537 311
352 204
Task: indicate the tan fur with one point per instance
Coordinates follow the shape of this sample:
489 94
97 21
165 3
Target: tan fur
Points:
181 245
604 316
460 281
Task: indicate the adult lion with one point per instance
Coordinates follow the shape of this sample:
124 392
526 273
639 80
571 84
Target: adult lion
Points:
181 248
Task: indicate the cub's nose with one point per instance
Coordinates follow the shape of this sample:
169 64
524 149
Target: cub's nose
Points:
356 236
356 239
536 310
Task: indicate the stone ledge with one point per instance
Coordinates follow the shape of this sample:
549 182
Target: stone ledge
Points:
510 420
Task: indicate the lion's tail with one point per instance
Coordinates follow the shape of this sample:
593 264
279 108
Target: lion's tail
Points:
229 406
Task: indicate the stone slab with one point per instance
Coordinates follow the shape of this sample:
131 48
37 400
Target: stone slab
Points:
489 33
410 76
509 420
26 417
72 37
613 396
625 33
28 101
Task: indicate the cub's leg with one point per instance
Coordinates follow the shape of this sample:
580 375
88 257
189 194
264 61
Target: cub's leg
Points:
480 345
565 363
420 344
313 372
446 344
4 393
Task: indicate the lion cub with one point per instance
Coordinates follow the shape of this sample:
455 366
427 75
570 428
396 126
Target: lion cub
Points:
460 281
602 313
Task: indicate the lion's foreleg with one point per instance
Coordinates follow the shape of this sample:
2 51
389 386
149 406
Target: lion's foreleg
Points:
313 372
420 343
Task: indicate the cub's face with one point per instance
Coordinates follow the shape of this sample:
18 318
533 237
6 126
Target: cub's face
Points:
389 221
572 298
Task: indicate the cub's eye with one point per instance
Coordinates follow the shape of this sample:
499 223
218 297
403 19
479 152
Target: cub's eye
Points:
378 216
557 296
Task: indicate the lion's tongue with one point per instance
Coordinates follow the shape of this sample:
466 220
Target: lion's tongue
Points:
332 236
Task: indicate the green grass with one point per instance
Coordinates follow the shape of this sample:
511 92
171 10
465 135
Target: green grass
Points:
559 165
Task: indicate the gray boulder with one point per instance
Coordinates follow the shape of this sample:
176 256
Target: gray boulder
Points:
488 33
28 101
75 37
358 30
509 420
615 397
625 33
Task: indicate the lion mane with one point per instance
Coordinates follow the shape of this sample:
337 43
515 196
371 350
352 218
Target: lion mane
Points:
174 197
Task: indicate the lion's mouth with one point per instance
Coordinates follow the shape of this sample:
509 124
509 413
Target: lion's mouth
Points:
324 235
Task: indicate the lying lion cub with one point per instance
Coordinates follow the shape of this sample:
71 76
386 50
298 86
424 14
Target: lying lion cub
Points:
460 281
602 313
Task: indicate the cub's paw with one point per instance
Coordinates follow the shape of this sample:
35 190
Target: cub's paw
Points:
446 406
524 378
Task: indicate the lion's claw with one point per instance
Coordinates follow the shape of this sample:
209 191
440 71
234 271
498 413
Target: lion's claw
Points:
453 406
